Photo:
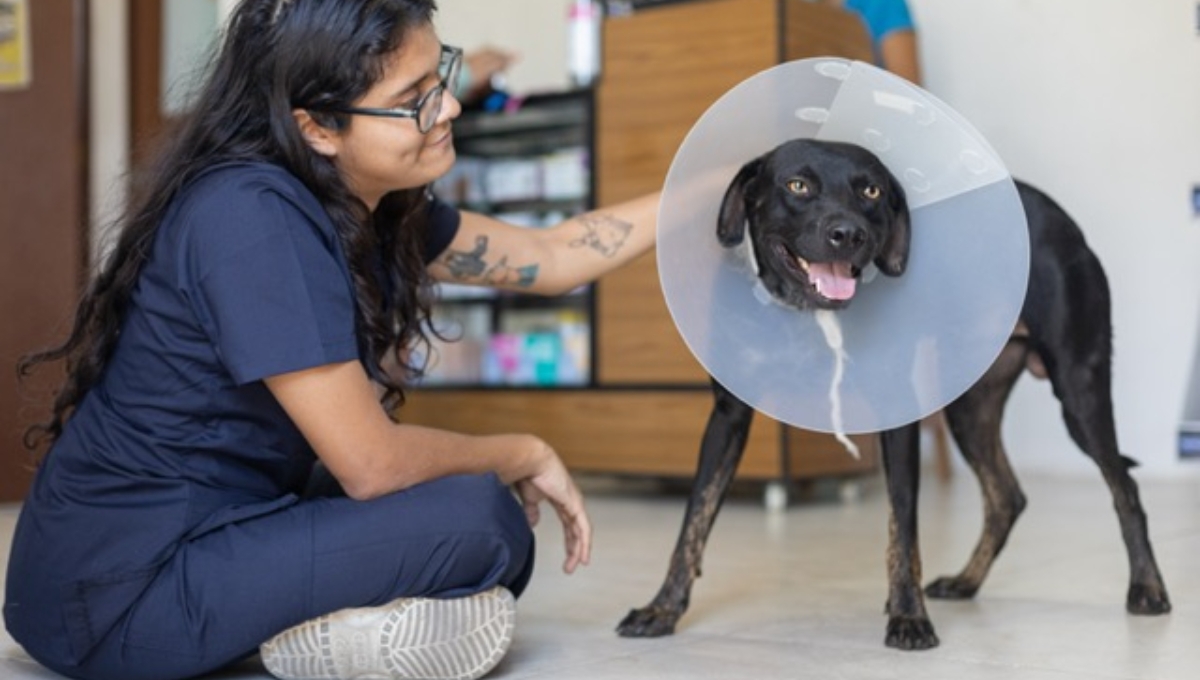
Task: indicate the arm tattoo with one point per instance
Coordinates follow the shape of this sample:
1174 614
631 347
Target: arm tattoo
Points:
604 234
470 264
465 264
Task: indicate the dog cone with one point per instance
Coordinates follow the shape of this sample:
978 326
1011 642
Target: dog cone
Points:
910 344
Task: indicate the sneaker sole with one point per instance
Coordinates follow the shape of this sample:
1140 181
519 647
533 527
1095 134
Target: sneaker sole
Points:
408 639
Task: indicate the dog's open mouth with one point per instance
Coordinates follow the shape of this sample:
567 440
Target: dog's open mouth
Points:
835 281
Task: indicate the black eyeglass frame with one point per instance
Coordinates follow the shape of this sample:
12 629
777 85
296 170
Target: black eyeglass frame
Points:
435 93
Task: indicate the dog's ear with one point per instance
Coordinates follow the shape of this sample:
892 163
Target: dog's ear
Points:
731 223
893 258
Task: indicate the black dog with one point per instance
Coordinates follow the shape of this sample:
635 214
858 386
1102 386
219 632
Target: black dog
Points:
818 214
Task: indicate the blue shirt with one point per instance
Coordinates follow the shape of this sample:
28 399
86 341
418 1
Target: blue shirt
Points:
881 17
246 279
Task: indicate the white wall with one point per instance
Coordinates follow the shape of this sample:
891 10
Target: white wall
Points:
535 29
1095 101
188 30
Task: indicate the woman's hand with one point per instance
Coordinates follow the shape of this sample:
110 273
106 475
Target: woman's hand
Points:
336 408
551 482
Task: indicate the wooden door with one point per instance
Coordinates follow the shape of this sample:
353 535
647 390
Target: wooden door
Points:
145 76
43 218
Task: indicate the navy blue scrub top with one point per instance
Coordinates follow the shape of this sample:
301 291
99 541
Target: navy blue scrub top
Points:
246 280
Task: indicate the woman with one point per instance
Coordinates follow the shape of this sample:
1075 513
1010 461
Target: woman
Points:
273 271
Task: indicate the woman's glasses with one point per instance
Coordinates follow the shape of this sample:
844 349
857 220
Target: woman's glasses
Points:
429 105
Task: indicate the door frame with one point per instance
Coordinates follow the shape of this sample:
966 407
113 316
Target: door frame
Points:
145 75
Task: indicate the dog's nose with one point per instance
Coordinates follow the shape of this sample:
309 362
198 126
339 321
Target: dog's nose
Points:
847 236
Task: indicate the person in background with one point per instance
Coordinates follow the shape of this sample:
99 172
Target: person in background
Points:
893 34
258 315
482 67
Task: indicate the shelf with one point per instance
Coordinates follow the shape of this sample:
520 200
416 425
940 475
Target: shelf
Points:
518 341
537 113
530 167
539 188
547 140
453 294
531 205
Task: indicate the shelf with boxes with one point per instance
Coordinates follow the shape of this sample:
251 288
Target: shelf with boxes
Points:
530 165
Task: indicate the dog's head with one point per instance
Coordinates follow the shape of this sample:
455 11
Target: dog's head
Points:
818 214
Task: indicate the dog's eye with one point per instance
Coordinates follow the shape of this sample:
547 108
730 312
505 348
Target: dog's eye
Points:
872 192
798 186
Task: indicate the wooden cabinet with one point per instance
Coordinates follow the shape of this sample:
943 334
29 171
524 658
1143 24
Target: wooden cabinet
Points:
646 410
663 68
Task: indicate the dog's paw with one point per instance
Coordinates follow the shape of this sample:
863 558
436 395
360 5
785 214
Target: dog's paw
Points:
648 622
951 588
1148 600
908 633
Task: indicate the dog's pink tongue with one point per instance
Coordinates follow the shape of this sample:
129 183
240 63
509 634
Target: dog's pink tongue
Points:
832 279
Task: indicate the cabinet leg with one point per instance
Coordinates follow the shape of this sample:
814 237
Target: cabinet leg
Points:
850 491
776 496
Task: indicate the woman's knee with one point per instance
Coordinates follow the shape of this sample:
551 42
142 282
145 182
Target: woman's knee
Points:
483 499
486 525
482 505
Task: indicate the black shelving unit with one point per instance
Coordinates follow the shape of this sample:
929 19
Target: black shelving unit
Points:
530 164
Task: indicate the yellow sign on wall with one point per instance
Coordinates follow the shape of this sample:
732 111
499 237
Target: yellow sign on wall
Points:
14 44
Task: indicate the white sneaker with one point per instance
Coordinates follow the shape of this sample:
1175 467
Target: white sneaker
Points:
406 639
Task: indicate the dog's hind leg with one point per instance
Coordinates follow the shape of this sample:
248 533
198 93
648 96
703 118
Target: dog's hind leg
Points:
720 452
908 626
974 420
1068 310
1083 386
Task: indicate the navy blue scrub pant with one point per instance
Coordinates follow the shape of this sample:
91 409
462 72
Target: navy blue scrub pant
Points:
227 591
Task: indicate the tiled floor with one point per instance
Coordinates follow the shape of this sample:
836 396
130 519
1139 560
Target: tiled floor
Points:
799 593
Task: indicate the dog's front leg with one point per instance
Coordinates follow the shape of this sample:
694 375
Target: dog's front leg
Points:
720 452
908 626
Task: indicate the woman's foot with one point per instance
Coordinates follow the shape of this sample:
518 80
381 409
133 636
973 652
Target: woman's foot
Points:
406 639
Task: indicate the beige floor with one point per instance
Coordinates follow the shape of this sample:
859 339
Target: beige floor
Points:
799 593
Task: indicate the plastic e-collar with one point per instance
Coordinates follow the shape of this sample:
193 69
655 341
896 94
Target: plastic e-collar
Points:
909 345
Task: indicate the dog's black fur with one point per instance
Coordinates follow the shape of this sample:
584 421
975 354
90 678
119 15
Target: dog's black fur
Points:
809 202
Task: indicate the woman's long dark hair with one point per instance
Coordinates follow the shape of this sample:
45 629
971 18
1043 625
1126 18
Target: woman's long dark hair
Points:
277 55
